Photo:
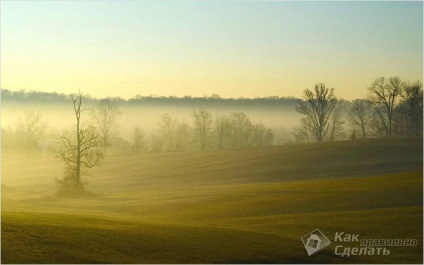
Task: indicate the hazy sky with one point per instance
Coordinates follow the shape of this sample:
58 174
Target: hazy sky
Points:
234 49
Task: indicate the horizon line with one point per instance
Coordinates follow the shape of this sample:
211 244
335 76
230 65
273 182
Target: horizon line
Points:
213 96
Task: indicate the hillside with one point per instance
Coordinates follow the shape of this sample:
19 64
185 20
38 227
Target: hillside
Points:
274 164
232 206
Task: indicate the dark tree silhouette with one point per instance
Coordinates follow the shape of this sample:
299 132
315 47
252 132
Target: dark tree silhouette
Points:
80 151
317 108
383 93
301 131
412 95
336 122
360 114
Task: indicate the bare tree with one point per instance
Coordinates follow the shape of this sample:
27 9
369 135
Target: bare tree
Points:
384 92
32 125
30 129
203 126
240 127
379 122
167 131
106 116
336 122
412 95
360 114
317 108
301 131
80 151
222 130
261 136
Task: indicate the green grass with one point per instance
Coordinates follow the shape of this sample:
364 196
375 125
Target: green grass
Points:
56 238
232 206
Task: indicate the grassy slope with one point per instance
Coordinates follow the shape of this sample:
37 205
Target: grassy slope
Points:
58 238
235 206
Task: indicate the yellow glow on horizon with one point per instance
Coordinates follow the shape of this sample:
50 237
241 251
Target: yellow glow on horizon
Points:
128 78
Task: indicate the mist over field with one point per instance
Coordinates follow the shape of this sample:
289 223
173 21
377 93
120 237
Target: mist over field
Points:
277 114
211 132
200 180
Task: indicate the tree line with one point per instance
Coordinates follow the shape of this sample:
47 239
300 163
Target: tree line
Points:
95 134
205 133
23 96
393 108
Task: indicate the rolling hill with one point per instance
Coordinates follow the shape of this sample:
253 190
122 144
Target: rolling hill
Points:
231 206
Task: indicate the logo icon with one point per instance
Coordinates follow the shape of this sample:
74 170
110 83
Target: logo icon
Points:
315 241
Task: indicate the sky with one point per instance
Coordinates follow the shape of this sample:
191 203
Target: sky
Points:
230 48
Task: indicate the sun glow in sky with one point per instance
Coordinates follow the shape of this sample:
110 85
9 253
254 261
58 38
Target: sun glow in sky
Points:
234 49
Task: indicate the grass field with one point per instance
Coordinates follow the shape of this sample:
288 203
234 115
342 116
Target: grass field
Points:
232 206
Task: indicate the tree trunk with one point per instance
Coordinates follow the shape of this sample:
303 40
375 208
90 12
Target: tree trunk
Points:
78 165
363 130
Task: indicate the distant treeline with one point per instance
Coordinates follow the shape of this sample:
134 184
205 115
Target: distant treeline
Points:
22 96
393 108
